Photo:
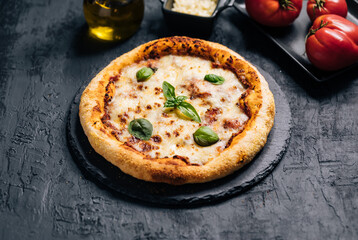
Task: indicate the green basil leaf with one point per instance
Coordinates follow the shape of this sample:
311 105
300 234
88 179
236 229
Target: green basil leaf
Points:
205 136
141 128
170 103
178 102
144 74
180 99
168 91
214 79
188 110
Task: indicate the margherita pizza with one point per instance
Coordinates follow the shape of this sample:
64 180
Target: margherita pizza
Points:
178 110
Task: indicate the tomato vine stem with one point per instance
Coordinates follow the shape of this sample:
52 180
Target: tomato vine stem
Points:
320 5
287 5
314 30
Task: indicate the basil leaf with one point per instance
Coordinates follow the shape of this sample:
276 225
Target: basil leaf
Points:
205 136
170 103
178 102
141 128
214 79
180 99
144 74
188 110
168 91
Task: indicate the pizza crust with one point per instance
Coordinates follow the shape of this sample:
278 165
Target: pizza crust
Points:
258 103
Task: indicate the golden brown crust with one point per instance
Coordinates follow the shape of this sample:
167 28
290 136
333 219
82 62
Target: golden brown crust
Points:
257 102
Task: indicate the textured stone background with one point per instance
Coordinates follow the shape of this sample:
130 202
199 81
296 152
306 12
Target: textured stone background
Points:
46 56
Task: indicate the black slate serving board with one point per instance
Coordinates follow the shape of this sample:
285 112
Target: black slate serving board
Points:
94 165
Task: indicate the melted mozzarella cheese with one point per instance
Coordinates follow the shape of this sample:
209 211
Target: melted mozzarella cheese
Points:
216 105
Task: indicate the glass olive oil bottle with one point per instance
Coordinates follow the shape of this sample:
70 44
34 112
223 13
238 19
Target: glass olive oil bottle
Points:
113 19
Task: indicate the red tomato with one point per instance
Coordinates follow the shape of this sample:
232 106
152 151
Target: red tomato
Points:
316 8
274 13
332 42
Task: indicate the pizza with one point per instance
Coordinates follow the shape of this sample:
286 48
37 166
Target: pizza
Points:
178 110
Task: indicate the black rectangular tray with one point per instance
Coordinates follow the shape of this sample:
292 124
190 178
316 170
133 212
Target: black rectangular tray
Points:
292 39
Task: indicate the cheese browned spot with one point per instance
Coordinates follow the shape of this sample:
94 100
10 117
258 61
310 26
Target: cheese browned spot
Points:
212 115
216 105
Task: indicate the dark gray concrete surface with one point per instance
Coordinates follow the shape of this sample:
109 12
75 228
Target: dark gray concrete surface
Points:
45 56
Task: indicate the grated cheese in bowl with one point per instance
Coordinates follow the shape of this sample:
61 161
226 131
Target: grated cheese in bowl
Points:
204 8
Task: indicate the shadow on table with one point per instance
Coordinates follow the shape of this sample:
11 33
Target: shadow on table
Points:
84 44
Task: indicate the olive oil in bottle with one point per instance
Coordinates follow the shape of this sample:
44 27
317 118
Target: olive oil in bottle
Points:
113 20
